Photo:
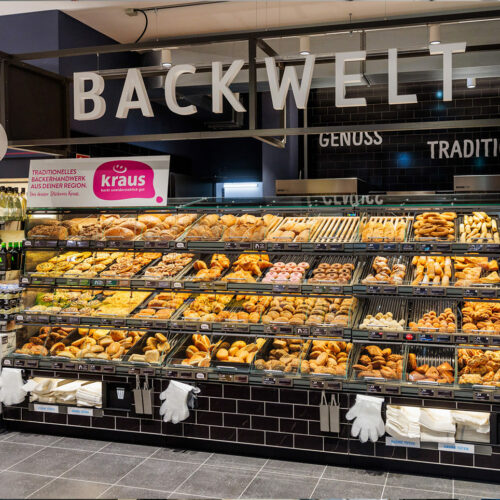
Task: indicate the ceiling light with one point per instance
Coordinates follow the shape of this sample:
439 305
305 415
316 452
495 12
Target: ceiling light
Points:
471 83
305 46
434 34
166 58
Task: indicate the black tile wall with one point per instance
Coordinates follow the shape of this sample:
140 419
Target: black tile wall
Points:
272 416
234 420
251 436
403 160
279 439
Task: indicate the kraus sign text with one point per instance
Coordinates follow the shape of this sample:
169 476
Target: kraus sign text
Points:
134 83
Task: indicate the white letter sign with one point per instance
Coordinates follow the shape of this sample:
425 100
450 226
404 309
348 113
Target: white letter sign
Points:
80 95
394 98
341 78
447 49
220 86
133 82
300 92
170 86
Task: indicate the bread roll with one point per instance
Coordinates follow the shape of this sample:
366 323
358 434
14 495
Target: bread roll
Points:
149 220
119 233
134 225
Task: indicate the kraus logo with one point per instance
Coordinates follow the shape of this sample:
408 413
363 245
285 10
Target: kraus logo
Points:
123 180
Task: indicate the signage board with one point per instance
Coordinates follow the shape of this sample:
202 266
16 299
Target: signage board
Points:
138 181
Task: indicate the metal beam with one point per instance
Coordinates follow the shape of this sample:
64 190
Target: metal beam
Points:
273 132
370 24
273 141
252 84
266 48
150 71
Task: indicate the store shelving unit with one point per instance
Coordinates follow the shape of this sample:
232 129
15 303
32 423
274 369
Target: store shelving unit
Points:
325 245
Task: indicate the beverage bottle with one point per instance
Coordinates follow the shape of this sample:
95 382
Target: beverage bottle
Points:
3 258
10 204
18 205
3 204
24 202
16 257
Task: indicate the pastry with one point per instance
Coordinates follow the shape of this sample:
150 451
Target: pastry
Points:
286 272
442 373
384 229
470 271
199 352
327 357
238 351
119 233
481 317
333 273
375 362
478 228
435 226
296 229
433 271
44 342
479 367
385 274
283 355
171 264
446 322
382 321
162 306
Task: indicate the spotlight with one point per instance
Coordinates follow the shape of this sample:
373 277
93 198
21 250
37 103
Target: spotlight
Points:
166 58
471 83
305 46
434 34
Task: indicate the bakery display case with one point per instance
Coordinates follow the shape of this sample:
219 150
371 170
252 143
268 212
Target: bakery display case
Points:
264 306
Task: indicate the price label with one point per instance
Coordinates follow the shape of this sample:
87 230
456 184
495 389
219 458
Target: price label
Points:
46 408
84 412
390 247
408 247
404 443
457 447
426 392
260 246
477 339
482 396
336 247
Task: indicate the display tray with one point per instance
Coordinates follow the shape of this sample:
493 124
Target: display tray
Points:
335 232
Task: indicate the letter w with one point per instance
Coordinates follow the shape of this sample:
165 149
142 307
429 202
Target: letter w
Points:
300 93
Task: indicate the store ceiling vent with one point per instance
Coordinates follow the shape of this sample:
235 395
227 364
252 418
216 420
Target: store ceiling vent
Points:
300 187
476 183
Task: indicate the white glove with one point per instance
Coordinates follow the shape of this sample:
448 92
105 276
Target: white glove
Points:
174 407
11 387
368 421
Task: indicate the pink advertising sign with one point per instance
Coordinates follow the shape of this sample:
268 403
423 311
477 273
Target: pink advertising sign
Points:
137 181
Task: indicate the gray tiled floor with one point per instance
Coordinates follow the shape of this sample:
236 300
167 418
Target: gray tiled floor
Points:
39 466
